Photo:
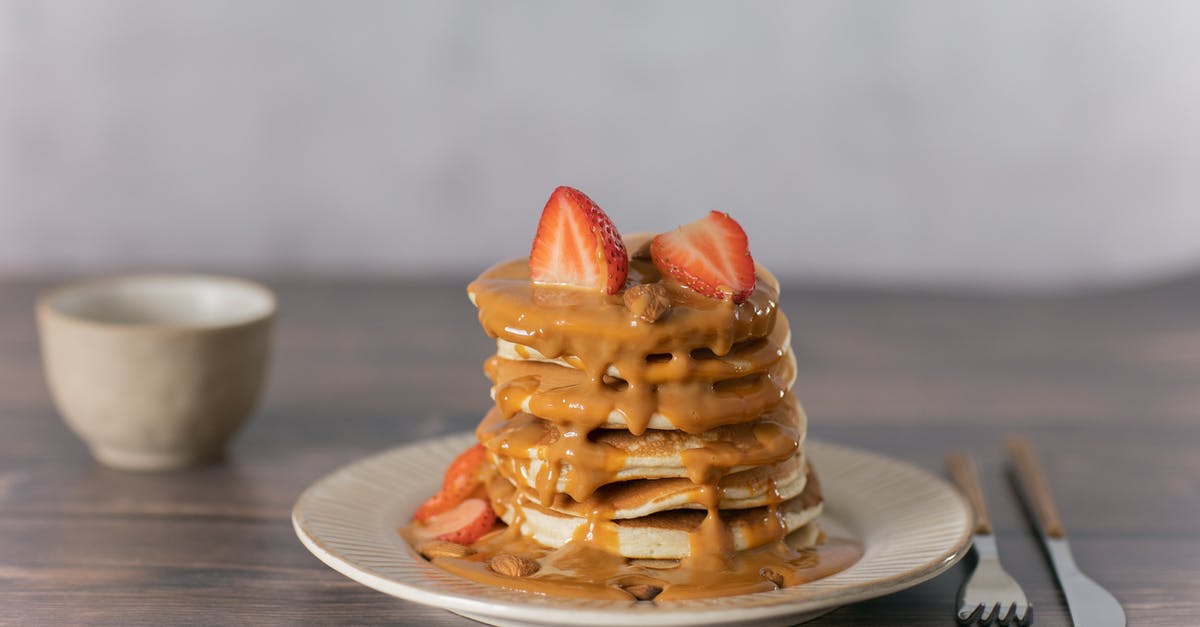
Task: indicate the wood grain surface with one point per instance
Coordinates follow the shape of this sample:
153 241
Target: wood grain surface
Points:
1106 385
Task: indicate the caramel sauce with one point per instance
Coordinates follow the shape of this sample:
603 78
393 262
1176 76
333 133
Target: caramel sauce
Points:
638 460
581 570
569 396
587 460
595 332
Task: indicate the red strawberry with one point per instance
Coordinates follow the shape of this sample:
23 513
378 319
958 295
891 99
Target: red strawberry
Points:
464 523
710 255
462 478
576 244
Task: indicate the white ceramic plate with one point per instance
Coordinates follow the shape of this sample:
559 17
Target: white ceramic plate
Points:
912 524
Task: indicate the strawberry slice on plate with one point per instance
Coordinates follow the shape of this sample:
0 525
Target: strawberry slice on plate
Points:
462 524
577 244
710 255
460 482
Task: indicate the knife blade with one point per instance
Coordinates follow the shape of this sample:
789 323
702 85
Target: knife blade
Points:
1089 604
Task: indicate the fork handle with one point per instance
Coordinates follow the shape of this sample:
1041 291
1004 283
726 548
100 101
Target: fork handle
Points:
1034 485
963 472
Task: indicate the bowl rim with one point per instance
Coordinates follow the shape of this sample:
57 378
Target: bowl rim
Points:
47 310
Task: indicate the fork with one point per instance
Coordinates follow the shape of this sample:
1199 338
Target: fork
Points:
988 593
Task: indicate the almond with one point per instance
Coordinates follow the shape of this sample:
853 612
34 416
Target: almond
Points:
513 565
438 548
648 301
643 591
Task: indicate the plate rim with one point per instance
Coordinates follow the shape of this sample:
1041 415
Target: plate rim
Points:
485 608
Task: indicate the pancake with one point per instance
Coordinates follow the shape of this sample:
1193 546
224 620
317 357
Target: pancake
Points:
745 357
665 535
524 443
565 394
806 537
762 485
599 330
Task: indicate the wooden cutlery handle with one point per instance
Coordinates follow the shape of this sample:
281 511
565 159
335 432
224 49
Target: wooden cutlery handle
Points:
963 472
1034 484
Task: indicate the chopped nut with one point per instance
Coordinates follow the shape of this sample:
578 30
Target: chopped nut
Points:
648 301
642 591
771 575
513 565
437 548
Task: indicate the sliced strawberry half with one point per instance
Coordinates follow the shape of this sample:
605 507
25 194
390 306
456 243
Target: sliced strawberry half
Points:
710 255
577 244
460 482
464 523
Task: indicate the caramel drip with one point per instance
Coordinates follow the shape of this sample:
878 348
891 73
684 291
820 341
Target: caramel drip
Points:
712 543
567 395
579 570
663 494
514 392
586 464
598 329
747 356
753 526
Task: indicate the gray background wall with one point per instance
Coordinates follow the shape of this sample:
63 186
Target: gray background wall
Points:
1000 144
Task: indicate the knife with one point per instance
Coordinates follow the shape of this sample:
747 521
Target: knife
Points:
1090 605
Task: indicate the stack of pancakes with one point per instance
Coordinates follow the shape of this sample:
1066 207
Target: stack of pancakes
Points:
661 439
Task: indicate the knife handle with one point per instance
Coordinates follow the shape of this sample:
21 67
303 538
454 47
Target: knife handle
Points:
963 472
1034 485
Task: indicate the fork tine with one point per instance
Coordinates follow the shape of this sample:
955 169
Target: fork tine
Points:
968 613
988 593
1024 614
989 612
1006 613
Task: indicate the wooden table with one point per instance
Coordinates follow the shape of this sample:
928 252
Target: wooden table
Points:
1108 385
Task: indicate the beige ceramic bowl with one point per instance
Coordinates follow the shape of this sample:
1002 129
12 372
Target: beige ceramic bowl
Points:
156 371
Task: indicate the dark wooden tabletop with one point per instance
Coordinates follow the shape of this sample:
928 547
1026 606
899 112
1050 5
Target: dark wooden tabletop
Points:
1107 385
